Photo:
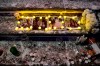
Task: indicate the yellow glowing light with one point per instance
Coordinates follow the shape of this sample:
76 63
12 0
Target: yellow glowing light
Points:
18 22
21 28
46 29
65 17
59 17
62 27
62 22
33 17
79 22
40 17
39 28
22 16
49 28
79 28
70 28
49 22
16 28
74 17
31 27
27 28
55 28
46 18
27 17
49 16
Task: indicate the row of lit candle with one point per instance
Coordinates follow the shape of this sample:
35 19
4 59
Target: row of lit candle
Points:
49 28
47 17
22 28
48 22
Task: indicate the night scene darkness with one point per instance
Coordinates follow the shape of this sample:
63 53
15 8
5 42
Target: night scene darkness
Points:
49 32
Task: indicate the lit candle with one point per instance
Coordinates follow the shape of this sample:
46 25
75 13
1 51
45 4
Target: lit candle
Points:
22 16
39 28
65 17
46 29
31 27
18 22
55 28
46 18
59 17
21 28
40 17
62 27
79 27
16 28
49 28
49 22
27 17
62 22
27 28
49 16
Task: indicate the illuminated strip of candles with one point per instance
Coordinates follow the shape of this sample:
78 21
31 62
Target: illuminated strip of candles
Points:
73 28
16 28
